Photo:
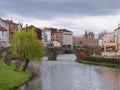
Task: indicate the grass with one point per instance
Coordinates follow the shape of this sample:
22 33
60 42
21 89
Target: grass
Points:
9 79
99 63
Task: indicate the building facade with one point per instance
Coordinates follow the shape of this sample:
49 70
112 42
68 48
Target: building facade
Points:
111 43
54 35
108 41
37 30
109 37
46 36
117 37
66 38
3 37
85 42
12 27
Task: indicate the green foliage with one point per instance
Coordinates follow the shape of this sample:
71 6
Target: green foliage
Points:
25 44
102 59
98 50
100 63
9 79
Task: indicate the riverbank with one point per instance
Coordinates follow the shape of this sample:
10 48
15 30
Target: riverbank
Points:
9 79
113 65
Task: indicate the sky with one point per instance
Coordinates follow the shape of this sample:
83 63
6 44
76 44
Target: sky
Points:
74 15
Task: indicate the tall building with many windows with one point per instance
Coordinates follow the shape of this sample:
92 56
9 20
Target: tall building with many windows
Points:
46 36
3 36
10 27
66 38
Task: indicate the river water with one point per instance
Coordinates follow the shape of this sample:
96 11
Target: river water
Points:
66 74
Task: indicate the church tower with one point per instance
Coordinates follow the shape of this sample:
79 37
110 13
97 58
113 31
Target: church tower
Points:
89 35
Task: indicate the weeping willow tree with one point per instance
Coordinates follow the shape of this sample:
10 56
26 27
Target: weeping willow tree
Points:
26 46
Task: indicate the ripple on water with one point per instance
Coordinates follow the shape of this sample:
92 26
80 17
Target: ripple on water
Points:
66 74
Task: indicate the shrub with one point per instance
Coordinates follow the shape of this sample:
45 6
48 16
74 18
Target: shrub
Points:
82 56
101 59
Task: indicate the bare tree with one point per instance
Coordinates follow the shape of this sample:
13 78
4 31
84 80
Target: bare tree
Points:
101 34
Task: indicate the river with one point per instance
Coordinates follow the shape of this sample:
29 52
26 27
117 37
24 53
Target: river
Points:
66 74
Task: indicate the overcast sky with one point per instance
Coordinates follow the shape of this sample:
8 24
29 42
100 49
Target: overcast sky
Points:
75 15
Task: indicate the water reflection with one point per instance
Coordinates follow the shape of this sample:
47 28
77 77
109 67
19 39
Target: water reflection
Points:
65 74
112 78
32 85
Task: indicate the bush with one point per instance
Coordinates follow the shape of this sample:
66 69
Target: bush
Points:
68 52
101 59
100 63
82 56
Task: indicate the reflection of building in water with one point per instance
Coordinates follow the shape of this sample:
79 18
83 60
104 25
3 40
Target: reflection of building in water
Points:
112 77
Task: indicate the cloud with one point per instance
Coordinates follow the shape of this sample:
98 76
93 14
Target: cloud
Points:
76 24
48 9
2 13
91 23
75 15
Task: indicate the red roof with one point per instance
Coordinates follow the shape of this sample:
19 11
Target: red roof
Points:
53 30
11 22
2 29
38 31
88 40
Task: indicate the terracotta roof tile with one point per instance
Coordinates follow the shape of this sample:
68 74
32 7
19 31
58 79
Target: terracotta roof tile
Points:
32 26
88 40
2 29
11 22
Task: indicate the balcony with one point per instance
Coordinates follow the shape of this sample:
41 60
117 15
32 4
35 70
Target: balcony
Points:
112 46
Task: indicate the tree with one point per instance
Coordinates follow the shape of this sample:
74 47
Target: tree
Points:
101 34
26 46
7 55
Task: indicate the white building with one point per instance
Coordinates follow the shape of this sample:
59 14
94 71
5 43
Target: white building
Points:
109 37
46 36
100 43
66 38
111 43
9 27
117 37
3 37
56 44
4 33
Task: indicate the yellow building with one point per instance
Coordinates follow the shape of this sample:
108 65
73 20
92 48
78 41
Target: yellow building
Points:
109 42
